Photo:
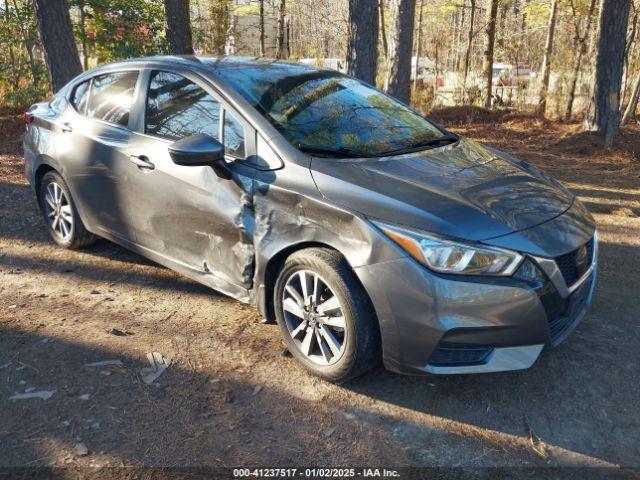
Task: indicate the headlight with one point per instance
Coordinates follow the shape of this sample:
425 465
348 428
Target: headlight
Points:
447 256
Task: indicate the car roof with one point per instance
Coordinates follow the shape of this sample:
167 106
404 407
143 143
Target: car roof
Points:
213 63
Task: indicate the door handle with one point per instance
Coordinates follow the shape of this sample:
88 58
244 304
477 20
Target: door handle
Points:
142 162
66 127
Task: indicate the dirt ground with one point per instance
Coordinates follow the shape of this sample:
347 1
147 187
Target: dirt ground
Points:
230 397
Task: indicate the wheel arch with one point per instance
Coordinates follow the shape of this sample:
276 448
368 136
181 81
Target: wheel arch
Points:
46 165
274 264
40 172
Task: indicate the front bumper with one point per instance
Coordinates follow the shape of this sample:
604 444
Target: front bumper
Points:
429 322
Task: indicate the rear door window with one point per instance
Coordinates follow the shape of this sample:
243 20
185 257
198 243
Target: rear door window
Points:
80 96
178 108
111 96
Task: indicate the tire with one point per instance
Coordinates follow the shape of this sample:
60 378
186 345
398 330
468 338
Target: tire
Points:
304 324
60 213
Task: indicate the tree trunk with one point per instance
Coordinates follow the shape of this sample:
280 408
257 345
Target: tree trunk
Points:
633 102
630 46
362 48
467 55
568 111
398 82
435 77
61 54
219 30
604 108
523 31
13 78
460 38
262 49
546 62
178 26
418 45
383 30
280 42
582 50
487 65
83 31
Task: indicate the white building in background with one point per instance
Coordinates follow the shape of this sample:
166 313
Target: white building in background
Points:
339 64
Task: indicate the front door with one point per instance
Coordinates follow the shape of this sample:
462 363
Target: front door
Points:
188 215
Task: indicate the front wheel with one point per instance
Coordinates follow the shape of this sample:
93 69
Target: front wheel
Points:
325 316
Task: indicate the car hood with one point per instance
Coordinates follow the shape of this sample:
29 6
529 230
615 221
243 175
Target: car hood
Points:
464 190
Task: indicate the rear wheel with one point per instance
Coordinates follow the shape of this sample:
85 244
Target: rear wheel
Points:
325 316
60 214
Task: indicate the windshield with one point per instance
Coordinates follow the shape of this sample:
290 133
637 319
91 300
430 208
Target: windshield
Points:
320 110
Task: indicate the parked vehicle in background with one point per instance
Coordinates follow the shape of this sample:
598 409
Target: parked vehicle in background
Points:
508 75
364 229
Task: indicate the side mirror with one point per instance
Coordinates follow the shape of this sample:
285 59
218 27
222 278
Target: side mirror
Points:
200 150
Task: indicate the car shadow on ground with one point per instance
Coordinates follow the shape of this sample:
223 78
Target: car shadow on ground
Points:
204 420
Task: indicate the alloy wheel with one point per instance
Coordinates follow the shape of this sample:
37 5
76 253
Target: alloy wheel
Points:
314 317
58 211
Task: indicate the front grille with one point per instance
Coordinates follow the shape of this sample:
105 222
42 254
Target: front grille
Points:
457 354
574 264
562 315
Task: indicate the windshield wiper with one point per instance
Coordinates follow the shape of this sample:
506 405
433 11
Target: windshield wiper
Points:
334 152
434 142
349 153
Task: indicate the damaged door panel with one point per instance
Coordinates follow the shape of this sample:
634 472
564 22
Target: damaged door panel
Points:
189 214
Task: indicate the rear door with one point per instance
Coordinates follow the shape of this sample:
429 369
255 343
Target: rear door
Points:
189 215
93 145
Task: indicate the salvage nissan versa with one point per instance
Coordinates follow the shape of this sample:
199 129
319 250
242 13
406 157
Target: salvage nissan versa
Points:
364 229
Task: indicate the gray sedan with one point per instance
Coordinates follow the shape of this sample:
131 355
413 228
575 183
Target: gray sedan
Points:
365 230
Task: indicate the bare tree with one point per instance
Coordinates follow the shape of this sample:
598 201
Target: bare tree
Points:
546 62
280 39
581 42
362 51
218 29
630 47
398 79
487 65
262 49
604 108
633 101
383 30
61 53
178 26
418 45
458 35
28 40
467 54
13 79
83 35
